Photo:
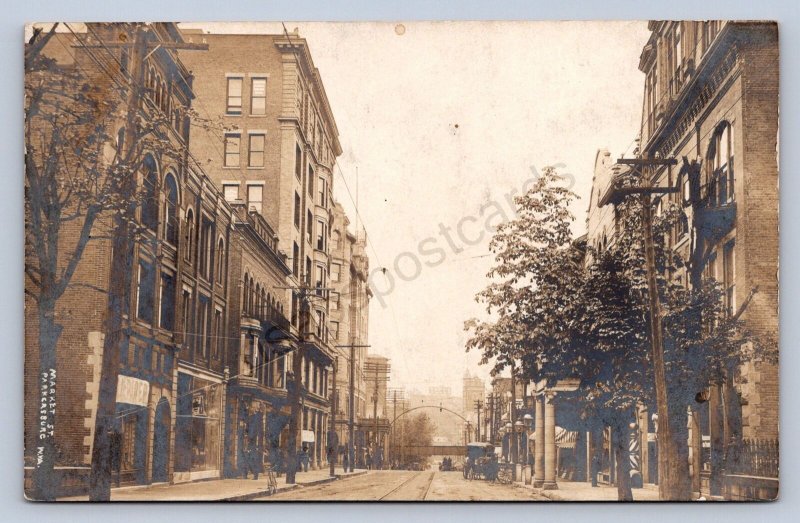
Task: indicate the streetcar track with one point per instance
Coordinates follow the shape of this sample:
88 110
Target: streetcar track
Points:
406 482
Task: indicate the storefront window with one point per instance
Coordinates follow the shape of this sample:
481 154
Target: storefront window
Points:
198 436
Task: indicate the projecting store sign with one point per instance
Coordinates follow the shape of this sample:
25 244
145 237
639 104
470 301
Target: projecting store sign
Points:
132 390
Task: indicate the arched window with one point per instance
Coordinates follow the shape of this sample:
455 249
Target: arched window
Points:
171 209
264 304
720 159
188 241
259 304
221 262
150 194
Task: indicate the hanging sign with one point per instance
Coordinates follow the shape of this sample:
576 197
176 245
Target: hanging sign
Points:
132 390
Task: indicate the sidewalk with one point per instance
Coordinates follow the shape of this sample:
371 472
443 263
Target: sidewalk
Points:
581 491
219 489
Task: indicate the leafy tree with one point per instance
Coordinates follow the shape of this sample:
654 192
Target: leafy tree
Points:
566 310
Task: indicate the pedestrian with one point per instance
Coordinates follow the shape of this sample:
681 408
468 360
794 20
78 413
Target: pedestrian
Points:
304 458
369 461
346 461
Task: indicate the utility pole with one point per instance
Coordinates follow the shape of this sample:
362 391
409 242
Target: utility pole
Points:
297 392
118 290
351 455
380 372
478 407
667 452
333 439
490 405
513 418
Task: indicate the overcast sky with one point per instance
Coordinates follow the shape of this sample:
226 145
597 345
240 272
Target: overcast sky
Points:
442 120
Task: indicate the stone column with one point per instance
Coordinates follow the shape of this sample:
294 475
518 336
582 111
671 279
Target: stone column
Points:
538 463
550 463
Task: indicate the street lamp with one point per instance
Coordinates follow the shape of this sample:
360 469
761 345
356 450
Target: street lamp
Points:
528 419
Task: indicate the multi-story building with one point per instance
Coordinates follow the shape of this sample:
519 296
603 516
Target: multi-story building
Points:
473 390
711 97
272 142
174 315
349 317
711 103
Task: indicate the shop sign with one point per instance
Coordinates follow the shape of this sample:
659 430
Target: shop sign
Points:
198 404
132 390
308 436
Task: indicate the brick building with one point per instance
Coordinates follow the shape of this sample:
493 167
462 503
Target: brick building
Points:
180 252
349 319
275 152
711 102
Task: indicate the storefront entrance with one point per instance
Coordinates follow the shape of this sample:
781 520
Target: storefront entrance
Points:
197 428
161 442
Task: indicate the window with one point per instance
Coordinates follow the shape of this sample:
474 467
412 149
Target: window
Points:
721 185
729 276
310 181
258 96
256 151
320 324
295 259
255 194
335 330
186 314
296 210
298 161
308 270
321 235
150 196
171 210
231 192
234 95
189 236
221 262
335 271
206 246
309 226
218 334
336 237
167 313
321 187
334 301
145 293
319 281
205 327
232 143
677 58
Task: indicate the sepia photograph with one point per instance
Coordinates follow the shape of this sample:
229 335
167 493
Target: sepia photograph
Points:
429 261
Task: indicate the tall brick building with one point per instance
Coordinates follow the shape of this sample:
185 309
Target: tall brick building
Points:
274 154
711 102
175 313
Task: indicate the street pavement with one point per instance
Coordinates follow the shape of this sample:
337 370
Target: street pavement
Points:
403 485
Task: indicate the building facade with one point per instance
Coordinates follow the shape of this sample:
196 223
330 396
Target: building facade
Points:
273 151
711 103
178 284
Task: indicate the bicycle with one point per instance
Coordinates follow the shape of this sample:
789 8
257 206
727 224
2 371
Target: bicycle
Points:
272 482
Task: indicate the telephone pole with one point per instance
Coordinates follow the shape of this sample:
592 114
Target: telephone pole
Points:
668 482
380 374
333 436
297 392
351 403
490 405
478 407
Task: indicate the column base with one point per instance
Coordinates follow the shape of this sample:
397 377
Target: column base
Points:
537 483
550 485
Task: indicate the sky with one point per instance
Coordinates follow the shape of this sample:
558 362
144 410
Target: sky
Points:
438 122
